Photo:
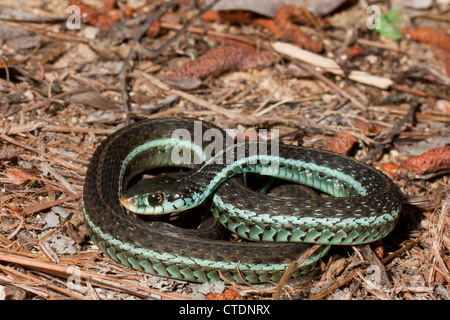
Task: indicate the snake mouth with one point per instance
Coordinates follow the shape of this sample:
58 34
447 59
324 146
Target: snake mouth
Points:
127 202
140 206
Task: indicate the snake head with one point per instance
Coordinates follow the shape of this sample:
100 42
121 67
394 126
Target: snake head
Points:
156 196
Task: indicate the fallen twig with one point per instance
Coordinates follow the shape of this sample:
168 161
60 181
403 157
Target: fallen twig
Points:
375 153
337 284
292 268
403 249
50 157
155 53
132 54
66 271
208 105
44 206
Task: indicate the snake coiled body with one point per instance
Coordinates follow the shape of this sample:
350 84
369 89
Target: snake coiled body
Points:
364 207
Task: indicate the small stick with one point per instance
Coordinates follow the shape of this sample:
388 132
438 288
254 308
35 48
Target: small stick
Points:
65 270
332 86
46 33
50 157
314 21
337 107
33 209
371 288
132 54
123 83
206 104
375 153
292 268
403 249
155 53
212 33
380 45
55 128
337 284
47 167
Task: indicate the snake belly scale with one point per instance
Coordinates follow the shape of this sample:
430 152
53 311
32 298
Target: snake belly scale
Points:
363 206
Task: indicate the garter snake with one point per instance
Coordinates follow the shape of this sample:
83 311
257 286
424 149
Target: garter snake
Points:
362 206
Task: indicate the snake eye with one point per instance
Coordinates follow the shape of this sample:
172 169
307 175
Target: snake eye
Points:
155 198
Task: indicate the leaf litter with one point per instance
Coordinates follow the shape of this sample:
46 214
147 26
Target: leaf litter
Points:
61 96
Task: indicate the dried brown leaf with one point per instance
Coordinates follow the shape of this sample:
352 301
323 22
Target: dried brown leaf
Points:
92 99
